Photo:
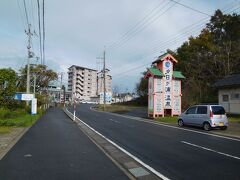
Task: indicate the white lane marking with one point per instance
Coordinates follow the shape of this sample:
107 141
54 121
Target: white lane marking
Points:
207 149
166 125
125 151
114 121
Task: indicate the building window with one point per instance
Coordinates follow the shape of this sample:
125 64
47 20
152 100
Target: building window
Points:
235 96
225 98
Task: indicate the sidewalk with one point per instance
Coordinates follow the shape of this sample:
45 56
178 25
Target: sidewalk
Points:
9 139
55 148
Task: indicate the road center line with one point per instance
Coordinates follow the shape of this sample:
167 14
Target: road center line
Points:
114 121
166 125
207 149
123 150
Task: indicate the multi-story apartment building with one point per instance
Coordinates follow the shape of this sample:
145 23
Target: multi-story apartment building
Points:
83 82
100 82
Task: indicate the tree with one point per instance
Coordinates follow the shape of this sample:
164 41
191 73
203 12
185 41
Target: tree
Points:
210 56
204 59
43 77
8 80
142 90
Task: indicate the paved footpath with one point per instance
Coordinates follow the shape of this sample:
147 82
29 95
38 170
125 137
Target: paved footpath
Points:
55 148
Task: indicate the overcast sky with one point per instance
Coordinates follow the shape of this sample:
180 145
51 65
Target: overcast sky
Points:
134 32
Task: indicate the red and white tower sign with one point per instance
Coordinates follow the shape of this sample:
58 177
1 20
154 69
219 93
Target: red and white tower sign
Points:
164 87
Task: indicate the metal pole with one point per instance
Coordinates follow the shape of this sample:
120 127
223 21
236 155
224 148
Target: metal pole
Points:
74 108
34 85
29 55
29 34
60 94
104 81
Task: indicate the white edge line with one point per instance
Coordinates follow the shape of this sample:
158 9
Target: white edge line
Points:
161 124
207 149
125 151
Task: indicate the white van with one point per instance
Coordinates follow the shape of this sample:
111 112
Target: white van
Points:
206 116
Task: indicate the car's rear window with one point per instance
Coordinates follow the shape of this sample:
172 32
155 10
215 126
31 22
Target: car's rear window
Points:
217 110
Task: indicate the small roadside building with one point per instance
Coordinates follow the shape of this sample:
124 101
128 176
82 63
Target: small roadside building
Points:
164 87
229 93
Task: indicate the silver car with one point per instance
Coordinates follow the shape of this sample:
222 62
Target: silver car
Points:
206 116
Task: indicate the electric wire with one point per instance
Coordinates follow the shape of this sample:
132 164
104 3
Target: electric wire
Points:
141 28
188 7
43 16
149 63
191 29
145 18
133 34
21 15
33 16
40 32
26 13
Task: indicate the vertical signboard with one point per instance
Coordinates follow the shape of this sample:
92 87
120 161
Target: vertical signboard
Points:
34 106
167 71
159 105
159 85
177 97
150 94
159 91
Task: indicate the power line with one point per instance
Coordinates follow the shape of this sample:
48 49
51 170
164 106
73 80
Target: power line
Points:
25 8
146 17
43 32
143 65
141 26
21 15
33 16
188 7
119 44
40 32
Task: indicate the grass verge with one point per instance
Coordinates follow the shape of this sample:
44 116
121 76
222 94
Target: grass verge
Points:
114 108
20 121
167 119
5 129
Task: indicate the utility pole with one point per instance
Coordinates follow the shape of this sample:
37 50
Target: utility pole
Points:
34 83
61 74
104 80
30 55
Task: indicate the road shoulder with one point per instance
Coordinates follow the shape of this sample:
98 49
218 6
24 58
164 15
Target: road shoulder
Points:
130 165
8 140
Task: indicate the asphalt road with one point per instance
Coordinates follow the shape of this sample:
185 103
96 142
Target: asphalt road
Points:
55 148
175 153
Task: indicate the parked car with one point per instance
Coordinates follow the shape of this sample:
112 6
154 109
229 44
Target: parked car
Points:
206 116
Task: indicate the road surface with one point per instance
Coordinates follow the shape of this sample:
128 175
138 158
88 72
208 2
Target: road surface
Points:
174 152
56 149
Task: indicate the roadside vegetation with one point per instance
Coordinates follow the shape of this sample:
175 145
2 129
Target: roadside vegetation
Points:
204 59
17 118
114 108
167 119
15 113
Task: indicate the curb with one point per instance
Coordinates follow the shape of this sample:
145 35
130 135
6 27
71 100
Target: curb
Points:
17 137
120 157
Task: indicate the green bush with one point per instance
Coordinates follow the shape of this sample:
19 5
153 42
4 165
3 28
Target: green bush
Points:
5 113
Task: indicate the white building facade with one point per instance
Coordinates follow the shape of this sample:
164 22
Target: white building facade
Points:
83 82
100 86
100 82
229 93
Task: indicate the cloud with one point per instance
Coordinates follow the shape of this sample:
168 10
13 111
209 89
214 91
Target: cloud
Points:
77 31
